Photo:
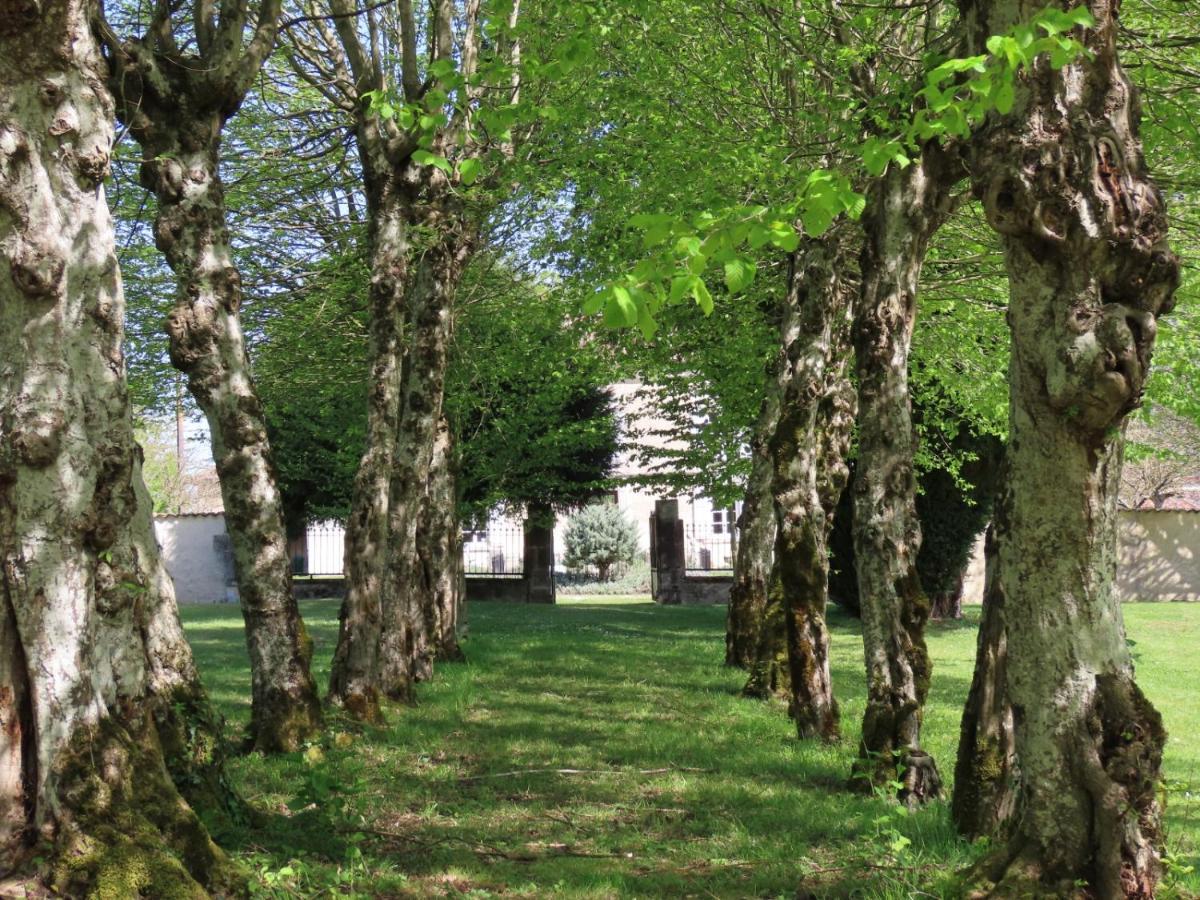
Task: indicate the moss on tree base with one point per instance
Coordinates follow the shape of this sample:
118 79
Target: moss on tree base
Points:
123 830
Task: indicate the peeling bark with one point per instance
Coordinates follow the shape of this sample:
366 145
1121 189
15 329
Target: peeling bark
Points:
175 106
1064 182
93 656
904 209
808 454
756 543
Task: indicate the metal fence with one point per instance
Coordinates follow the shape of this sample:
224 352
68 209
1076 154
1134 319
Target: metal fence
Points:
707 550
496 550
318 552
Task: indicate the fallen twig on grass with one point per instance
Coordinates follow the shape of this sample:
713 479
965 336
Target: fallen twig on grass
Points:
516 772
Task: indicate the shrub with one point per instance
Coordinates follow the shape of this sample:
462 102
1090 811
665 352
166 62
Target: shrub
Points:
600 535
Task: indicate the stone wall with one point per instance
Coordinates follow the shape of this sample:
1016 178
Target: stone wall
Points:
196 552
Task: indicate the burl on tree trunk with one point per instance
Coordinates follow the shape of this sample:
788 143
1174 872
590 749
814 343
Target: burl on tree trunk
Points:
904 209
756 542
97 687
808 453
1063 180
175 104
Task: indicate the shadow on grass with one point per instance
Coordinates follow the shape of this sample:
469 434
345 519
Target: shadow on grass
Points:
676 787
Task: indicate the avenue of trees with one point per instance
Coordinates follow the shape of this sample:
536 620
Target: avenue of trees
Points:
881 268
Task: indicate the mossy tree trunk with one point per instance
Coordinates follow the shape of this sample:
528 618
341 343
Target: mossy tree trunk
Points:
808 456
175 104
94 671
904 209
756 542
1063 180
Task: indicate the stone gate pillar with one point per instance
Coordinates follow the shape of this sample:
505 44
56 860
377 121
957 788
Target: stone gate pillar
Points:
539 555
669 561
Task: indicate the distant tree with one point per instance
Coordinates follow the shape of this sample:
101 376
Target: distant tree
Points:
600 535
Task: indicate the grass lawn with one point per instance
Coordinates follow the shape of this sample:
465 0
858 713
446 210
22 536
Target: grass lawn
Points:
680 788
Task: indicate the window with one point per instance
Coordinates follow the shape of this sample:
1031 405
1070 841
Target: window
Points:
721 521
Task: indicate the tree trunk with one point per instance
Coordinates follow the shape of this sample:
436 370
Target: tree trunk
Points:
985 775
90 645
756 542
407 645
769 672
440 545
808 454
904 209
176 112
352 682
207 344
1063 180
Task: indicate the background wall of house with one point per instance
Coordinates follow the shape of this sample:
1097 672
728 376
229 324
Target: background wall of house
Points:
1159 555
196 552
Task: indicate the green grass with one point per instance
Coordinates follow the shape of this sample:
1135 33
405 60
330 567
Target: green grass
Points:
686 789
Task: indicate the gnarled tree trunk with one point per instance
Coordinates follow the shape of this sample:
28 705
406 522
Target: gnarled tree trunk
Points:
756 542
175 105
91 652
904 209
1063 180
808 454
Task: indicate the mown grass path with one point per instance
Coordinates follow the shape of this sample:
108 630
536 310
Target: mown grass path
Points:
680 788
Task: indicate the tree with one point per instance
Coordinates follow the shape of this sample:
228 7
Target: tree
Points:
904 208
1064 182
424 134
600 535
93 663
175 102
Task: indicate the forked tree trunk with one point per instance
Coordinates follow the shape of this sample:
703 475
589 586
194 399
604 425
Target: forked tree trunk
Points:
176 114
91 652
985 775
439 538
808 455
756 542
1063 180
904 209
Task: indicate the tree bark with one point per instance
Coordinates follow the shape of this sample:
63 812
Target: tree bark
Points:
407 645
439 539
808 455
177 116
91 652
1064 182
756 542
904 209
353 684
985 774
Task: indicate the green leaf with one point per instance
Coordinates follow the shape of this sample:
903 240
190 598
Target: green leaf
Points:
703 297
739 273
468 171
425 158
620 311
1005 97
681 286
